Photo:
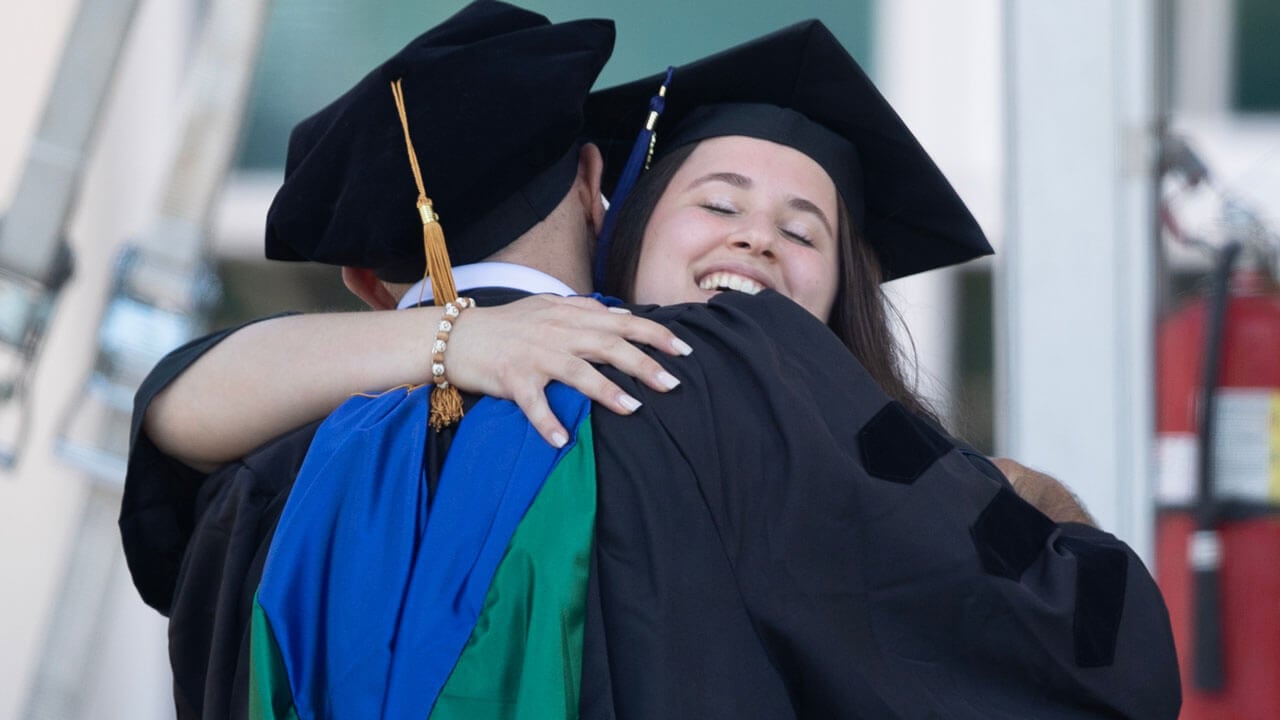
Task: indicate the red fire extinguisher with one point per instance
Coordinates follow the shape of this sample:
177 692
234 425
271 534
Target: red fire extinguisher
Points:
1218 522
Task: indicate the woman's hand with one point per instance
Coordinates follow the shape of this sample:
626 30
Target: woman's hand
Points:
513 351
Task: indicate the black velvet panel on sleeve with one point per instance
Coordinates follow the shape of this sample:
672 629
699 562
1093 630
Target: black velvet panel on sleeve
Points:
1098 607
1010 534
899 447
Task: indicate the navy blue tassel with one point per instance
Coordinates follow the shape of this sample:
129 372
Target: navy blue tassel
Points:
637 162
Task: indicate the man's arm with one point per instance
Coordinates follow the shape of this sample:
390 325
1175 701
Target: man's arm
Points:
1044 492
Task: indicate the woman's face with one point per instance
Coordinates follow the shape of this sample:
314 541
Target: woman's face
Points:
743 214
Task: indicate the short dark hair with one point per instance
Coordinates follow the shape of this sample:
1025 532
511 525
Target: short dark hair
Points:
859 315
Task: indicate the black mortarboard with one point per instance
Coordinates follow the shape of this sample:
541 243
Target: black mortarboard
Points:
799 87
494 101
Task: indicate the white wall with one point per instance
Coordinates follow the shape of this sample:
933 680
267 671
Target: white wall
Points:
938 63
1076 304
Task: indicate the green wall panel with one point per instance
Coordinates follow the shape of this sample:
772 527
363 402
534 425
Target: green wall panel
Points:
1257 56
315 49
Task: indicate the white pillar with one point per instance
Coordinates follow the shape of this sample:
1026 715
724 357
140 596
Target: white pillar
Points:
938 63
1075 307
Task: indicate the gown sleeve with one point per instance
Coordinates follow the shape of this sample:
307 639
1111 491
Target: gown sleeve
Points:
863 561
157 510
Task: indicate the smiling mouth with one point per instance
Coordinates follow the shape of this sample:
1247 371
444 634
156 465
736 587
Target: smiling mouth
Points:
729 281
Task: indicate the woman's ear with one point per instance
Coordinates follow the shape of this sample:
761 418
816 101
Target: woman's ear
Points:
364 284
590 172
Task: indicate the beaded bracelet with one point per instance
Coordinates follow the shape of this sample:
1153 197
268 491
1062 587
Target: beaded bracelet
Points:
451 312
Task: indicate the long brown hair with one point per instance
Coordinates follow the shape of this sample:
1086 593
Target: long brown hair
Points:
859 316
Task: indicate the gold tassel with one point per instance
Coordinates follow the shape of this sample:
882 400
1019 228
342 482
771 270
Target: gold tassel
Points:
439 269
446 407
446 402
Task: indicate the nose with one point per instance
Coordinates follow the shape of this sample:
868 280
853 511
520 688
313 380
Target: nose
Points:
756 235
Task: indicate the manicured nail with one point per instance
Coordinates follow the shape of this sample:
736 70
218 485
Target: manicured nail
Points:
628 402
681 346
559 439
667 380
619 310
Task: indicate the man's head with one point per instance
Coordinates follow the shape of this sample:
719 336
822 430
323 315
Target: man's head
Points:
561 244
493 102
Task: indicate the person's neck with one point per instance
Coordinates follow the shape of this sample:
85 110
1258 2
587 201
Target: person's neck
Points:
558 257
489 274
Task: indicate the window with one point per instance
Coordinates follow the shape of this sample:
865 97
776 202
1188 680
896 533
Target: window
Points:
1256 75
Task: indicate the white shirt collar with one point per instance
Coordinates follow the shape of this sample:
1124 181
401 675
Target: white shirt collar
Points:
490 274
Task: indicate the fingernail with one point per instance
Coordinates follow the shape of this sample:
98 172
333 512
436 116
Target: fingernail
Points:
667 380
619 310
559 439
628 402
681 346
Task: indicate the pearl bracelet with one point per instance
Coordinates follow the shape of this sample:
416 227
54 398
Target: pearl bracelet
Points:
451 312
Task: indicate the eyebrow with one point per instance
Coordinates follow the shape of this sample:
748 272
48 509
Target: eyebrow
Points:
734 179
799 203
744 182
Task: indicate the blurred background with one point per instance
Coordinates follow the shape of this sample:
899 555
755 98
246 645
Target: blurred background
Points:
1110 150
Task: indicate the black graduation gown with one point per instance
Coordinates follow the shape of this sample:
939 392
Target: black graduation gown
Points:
746 564
776 538
196 544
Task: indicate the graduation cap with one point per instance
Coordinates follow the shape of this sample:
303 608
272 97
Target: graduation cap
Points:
799 87
493 101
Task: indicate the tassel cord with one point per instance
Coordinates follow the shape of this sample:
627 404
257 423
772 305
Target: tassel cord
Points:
446 401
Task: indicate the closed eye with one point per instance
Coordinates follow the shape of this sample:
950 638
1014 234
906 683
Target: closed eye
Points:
720 208
796 236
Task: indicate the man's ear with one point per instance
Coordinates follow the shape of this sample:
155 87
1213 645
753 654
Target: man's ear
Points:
590 172
364 284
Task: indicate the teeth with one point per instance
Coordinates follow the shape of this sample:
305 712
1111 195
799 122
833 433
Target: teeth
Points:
730 281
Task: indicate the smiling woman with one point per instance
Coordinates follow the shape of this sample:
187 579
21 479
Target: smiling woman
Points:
699 223
834 274
742 214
